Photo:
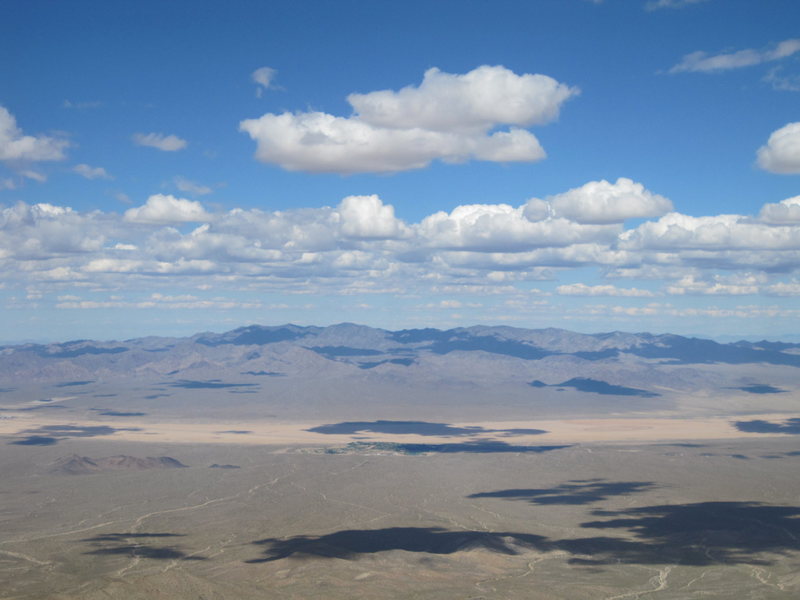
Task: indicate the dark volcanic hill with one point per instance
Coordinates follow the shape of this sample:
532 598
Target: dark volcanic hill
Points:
80 465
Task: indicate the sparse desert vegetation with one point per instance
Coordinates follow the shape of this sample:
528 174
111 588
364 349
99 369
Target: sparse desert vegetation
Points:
581 521
357 484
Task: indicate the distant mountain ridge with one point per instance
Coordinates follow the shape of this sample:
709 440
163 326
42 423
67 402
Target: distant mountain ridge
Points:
293 349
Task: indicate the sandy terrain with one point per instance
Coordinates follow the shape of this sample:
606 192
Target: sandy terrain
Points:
616 430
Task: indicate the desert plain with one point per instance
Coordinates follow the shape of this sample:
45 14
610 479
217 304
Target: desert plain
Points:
674 481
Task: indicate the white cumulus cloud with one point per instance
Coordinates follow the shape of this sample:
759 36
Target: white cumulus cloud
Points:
477 100
164 208
360 246
503 228
675 232
366 217
167 143
781 154
43 231
447 117
601 202
14 146
783 213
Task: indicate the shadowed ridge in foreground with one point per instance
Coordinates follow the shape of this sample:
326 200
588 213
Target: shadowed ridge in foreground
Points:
431 540
572 492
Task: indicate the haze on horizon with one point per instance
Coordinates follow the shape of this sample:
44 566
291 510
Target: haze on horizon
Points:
169 169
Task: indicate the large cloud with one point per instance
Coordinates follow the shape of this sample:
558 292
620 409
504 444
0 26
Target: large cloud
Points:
276 239
785 212
781 154
366 217
14 146
321 143
503 228
360 246
163 208
475 101
601 202
44 231
675 232
448 117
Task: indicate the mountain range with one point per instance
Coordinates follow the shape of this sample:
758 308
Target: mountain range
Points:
240 358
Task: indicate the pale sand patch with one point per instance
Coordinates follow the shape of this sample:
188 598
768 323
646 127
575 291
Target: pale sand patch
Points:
560 431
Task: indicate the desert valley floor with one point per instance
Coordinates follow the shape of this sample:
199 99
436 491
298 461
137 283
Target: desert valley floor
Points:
668 520
470 474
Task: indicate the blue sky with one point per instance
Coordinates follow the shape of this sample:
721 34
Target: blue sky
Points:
167 168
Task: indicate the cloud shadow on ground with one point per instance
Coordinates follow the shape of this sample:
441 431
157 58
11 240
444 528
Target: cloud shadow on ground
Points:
699 534
790 426
355 542
760 388
472 446
117 537
36 440
127 544
52 434
73 383
414 428
573 492
211 384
